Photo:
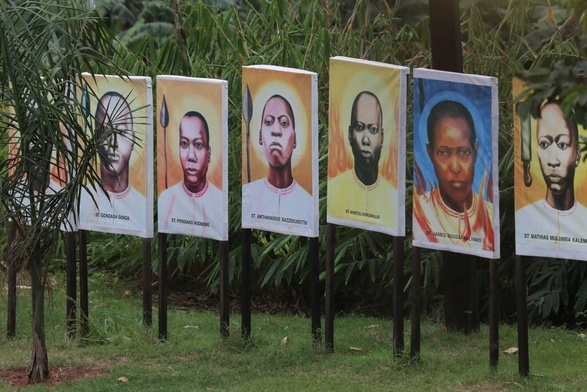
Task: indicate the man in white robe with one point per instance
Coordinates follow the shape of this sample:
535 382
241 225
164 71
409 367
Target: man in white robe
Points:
557 222
120 207
194 205
277 202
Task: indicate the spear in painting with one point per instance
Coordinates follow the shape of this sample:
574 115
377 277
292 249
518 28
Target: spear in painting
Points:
164 121
86 108
85 103
66 170
247 114
246 233
526 138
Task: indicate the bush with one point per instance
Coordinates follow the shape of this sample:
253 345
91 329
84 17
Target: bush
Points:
500 39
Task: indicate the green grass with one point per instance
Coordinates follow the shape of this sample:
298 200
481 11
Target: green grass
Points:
195 358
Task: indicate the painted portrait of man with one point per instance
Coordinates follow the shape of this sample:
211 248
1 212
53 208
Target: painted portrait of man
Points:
281 131
43 186
115 205
192 131
452 148
42 177
115 133
278 194
453 200
550 213
366 138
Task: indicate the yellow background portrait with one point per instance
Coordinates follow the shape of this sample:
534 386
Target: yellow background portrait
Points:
350 79
182 96
537 190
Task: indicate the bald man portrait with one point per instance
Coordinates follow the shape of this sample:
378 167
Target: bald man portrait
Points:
362 193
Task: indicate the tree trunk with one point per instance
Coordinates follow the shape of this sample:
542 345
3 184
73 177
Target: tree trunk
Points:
461 299
461 306
11 261
40 363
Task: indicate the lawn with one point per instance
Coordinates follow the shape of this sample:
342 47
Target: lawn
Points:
123 354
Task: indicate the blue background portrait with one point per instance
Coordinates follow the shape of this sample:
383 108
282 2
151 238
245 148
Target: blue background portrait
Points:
477 99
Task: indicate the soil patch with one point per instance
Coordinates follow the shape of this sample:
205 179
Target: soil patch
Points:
283 301
57 375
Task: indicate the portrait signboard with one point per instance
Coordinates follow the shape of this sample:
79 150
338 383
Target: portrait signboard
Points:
455 194
192 156
120 119
47 187
550 181
366 145
280 150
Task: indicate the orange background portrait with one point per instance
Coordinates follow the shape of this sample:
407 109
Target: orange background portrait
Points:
183 95
135 92
297 89
58 164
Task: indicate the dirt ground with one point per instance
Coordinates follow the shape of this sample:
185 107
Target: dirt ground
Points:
57 375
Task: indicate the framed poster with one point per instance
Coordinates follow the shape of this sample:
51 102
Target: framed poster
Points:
47 179
120 120
367 145
455 195
280 150
192 156
550 181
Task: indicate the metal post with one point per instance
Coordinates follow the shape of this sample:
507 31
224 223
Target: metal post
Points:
224 291
147 274
162 314
71 283
246 284
83 282
398 297
472 311
329 304
415 336
493 313
522 309
315 288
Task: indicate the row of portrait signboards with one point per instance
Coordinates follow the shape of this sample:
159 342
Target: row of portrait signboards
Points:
455 204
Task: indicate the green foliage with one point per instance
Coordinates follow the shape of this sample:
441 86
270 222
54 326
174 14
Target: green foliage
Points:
44 46
133 20
293 35
216 38
566 83
558 290
558 71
